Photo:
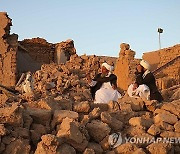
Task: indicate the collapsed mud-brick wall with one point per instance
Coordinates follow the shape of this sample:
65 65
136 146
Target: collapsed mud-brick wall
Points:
37 51
169 75
125 66
63 51
8 52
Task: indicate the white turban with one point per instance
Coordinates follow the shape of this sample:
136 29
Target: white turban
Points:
145 64
108 67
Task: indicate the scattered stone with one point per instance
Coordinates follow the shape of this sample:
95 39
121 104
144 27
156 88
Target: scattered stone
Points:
11 115
59 115
18 146
154 130
139 151
81 107
20 132
40 116
96 147
161 148
89 151
169 134
111 121
95 113
177 126
65 148
173 108
166 126
70 131
3 130
49 144
126 148
114 106
37 130
139 121
58 100
98 130
168 117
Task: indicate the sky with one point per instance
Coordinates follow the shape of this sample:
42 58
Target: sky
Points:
97 26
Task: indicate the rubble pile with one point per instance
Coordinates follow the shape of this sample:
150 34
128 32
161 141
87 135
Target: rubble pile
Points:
60 116
52 111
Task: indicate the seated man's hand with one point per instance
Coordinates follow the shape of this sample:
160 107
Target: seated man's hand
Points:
135 86
114 86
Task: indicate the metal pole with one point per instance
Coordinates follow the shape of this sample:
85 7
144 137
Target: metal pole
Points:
160 30
159 41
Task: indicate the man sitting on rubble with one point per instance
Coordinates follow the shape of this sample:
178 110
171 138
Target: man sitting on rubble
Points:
104 85
145 84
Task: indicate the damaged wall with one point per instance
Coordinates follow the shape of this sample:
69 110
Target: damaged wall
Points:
39 49
125 66
34 52
169 75
63 51
8 52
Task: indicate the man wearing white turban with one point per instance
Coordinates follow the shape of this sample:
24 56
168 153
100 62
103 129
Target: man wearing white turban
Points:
104 85
145 84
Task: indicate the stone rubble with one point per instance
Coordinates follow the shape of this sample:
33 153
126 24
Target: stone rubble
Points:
62 118
59 116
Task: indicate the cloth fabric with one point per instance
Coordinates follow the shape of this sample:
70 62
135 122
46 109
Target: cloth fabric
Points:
108 67
93 83
27 85
145 64
99 80
145 73
101 88
106 93
142 91
150 81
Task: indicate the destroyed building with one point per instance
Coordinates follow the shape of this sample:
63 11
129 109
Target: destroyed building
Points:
60 117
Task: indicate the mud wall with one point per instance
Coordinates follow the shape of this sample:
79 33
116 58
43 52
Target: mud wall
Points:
125 66
8 52
169 75
39 49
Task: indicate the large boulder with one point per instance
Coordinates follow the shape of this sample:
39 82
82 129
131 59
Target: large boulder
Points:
98 130
40 116
139 121
49 144
159 148
166 117
70 131
154 130
173 107
83 107
59 115
126 148
11 115
111 121
65 148
18 146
